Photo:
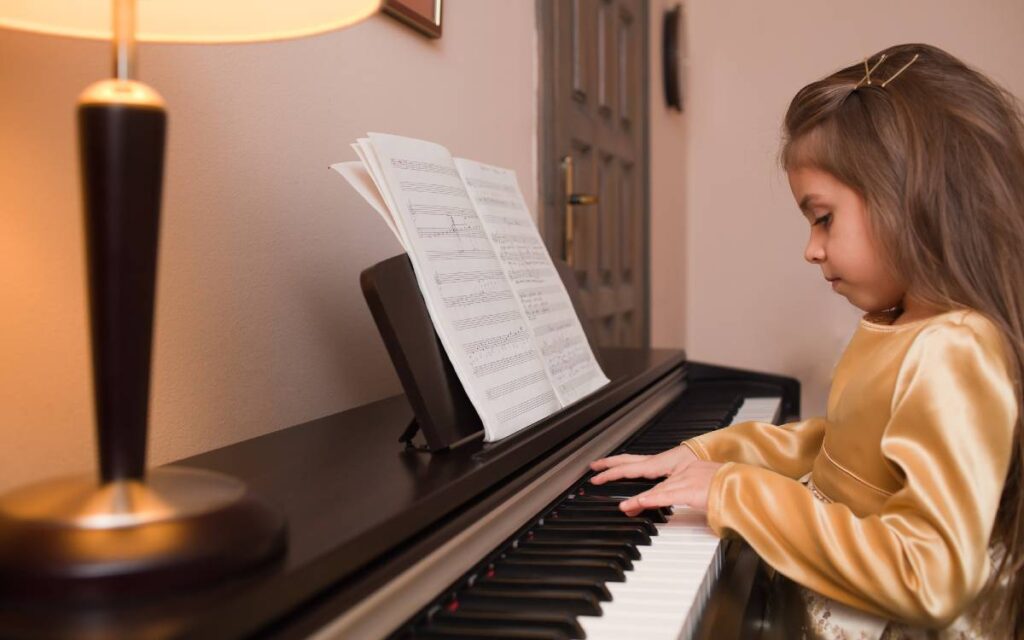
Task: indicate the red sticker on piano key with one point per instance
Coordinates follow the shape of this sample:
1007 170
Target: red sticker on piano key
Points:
453 606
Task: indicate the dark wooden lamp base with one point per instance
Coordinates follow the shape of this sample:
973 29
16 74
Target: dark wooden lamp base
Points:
74 538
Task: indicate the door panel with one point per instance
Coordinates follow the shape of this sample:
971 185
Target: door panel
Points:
593 106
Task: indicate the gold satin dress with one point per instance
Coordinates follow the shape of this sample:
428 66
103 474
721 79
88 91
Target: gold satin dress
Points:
903 478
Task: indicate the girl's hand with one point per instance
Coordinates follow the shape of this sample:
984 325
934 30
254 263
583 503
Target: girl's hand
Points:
632 466
688 486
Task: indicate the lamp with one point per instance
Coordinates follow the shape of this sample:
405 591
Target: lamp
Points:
131 531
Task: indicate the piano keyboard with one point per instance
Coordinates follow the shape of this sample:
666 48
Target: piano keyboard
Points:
585 570
665 593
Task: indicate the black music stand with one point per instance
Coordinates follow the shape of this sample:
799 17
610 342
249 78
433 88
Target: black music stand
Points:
441 409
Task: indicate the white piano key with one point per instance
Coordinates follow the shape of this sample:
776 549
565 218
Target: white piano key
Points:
665 592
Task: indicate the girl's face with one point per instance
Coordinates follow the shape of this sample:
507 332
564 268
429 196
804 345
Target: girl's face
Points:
841 242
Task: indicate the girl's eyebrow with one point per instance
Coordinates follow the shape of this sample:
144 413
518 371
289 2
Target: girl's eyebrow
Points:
806 201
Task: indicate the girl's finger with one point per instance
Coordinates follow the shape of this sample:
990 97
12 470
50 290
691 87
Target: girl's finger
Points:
665 494
644 469
614 461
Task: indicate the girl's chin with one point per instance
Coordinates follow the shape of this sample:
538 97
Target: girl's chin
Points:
867 305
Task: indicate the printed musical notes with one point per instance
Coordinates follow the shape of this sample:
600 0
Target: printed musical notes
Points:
494 296
548 311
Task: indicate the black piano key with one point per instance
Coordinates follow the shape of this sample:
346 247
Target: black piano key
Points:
667 441
647 451
448 631
601 521
598 570
570 508
579 500
618 557
619 488
625 547
688 423
569 531
679 434
659 439
561 623
581 603
597 589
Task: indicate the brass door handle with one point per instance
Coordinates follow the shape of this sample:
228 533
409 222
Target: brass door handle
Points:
572 200
582 198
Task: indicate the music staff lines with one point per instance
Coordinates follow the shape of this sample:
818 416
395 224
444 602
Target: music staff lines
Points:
441 210
550 327
496 342
525 406
411 186
569 362
426 167
470 276
504 363
554 347
578 381
492 185
454 231
481 297
506 220
515 385
499 203
529 275
485 320
461 254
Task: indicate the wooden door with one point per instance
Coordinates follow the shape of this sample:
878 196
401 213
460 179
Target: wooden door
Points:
594 117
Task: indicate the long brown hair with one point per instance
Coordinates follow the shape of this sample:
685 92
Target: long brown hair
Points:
938 156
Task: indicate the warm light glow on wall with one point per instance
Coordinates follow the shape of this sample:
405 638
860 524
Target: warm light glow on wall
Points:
189 20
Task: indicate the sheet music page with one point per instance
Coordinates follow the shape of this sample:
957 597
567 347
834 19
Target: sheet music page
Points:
473 308
549 313
359 177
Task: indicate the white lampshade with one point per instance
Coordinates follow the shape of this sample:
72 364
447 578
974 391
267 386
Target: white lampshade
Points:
188 20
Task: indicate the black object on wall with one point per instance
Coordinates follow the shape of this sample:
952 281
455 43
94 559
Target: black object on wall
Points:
670 57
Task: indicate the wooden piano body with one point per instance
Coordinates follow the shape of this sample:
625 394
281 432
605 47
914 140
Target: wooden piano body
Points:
362 511
380 532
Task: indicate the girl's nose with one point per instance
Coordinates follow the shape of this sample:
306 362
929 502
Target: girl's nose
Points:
815 251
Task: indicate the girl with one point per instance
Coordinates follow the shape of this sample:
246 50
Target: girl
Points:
901 509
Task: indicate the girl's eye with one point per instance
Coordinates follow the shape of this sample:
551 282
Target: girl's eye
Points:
824 220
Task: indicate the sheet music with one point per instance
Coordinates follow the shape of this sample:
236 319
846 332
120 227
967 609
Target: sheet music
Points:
474 310
545 303
357 175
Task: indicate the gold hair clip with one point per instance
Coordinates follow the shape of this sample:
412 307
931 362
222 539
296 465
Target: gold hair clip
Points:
902 69
867 72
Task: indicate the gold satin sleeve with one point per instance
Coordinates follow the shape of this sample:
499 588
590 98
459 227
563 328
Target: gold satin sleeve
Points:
923 558
788 449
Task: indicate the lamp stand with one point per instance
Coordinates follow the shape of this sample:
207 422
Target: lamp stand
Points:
127 534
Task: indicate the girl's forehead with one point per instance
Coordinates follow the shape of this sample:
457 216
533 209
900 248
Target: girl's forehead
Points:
807 178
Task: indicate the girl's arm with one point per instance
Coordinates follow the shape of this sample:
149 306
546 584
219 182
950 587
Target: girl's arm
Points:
789 449
923 558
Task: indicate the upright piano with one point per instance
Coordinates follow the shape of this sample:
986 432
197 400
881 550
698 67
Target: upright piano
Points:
476 540
485 540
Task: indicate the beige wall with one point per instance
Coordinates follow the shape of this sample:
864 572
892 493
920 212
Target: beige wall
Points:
260 323
669 174
751 301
